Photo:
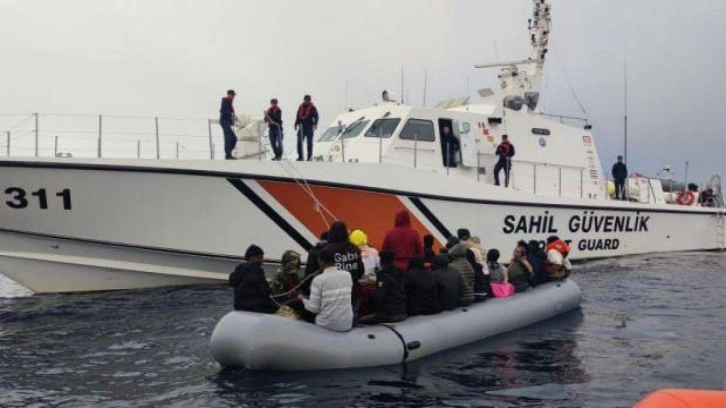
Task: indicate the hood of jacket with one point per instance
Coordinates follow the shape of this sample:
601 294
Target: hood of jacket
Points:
403 219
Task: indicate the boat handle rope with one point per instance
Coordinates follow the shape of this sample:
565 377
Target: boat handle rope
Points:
293 290
400 337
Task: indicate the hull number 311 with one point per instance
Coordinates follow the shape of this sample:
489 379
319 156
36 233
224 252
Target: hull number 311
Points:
19 198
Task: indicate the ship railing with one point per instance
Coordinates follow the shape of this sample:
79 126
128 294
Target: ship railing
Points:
557 180
117 136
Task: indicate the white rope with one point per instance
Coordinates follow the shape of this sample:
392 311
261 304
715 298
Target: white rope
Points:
318 205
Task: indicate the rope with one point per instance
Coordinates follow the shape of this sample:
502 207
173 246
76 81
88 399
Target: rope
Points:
318 206
569 84
293 290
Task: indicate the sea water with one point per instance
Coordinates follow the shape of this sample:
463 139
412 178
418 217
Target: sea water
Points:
646 322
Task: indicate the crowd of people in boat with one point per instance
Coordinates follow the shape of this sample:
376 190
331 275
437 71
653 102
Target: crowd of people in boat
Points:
347 282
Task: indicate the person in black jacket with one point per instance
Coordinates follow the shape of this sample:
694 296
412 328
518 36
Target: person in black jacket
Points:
452 284
251 290
347 258
428 247
423 289
306 121
449 147
538 259
226 119
505 151
388 301
620 173
273 117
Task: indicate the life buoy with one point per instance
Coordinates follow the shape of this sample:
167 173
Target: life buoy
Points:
686 198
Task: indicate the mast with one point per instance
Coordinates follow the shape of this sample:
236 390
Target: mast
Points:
516 81
625 119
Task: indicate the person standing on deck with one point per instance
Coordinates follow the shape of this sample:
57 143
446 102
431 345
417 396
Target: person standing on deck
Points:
273 117
505 151
620 173
306 122
226 119
450 147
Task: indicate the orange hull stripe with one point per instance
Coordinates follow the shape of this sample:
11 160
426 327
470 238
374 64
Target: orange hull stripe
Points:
368 211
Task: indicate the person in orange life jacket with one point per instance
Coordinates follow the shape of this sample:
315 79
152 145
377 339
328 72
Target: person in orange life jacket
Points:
347 258
505 151
226 119
449 147
273 117
620 173
251 290
306 121
558 266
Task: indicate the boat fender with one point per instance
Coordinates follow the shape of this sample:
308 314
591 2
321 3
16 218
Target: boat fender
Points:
686 198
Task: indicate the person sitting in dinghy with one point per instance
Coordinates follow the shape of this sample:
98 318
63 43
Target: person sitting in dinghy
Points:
457 255
451 281
388 301
423 288
251 290
287 278
347 258
498 275
519 269
558 266
330 295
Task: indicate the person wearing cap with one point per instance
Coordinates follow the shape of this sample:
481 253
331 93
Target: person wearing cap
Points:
306 122
273 117
505 151
251 290
620 173
226 119
330 295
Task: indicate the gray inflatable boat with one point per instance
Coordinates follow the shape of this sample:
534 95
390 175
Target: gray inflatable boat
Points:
268 342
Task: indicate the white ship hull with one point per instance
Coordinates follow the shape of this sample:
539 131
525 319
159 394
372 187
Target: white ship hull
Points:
69 225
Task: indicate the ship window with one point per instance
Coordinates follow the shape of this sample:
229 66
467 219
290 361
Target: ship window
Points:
417 129
539 131
354 129
383 128
331 134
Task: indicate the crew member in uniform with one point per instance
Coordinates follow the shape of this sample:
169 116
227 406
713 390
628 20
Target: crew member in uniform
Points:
505 151
620 173
226 119
273 117
306 122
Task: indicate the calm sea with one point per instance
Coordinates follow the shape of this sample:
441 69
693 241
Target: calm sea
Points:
647 322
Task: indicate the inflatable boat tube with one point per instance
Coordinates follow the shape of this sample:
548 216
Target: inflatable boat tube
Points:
268 342
680 398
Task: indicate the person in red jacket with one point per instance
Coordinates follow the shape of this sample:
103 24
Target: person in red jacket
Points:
403 240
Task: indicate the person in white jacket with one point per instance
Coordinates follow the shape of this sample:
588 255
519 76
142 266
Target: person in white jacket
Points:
330 295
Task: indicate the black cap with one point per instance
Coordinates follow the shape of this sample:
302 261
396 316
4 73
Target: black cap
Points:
253 250
273 101
306 98
463 234
231 92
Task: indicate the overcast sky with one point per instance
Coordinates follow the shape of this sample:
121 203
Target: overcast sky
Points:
176 58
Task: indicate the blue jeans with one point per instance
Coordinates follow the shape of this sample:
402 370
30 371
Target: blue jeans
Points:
305 133
230 139
276 141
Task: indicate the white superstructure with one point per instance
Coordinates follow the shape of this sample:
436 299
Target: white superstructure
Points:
71 224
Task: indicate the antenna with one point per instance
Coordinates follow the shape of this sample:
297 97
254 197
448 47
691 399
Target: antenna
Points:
625 119
402 101
347 104
426 78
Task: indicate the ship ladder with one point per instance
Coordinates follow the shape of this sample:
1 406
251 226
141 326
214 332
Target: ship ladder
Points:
721 229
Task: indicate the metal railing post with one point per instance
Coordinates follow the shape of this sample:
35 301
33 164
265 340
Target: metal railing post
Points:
156 126
380 146
7 148
100 136
415 150
36 133
177 150
211 144
55 150
582 183
560 179
534 189
342 147
138 149
477 165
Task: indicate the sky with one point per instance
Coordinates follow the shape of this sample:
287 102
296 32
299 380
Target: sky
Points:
175 59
